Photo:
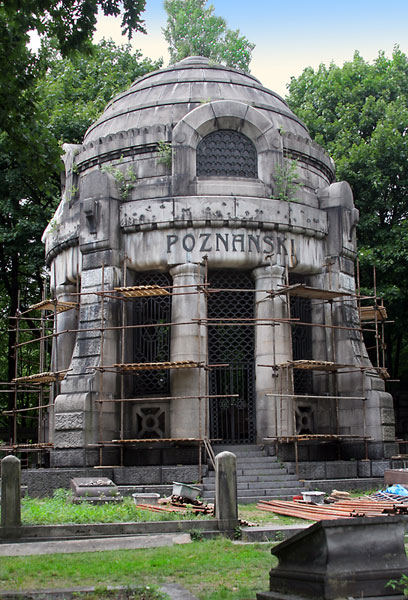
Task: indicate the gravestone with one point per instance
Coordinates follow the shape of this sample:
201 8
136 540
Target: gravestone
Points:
226 497
343 558
10 492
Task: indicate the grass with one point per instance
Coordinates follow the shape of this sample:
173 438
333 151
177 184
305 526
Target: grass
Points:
60 510
212 569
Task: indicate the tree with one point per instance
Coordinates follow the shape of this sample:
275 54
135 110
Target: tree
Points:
359 113
193 30
69 96
70 25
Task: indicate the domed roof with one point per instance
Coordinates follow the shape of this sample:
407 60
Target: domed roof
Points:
164 97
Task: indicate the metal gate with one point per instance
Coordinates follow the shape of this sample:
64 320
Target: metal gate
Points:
151 344
232 419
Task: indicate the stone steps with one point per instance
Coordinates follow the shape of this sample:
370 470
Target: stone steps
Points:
259 476
256 485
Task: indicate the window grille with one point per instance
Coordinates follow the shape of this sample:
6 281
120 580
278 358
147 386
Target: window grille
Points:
227 153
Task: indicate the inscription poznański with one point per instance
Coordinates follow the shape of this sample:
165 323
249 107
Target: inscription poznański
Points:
230 242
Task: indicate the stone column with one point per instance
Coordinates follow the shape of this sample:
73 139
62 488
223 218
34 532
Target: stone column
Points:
226 494
66 321
188 342
10 492
274 415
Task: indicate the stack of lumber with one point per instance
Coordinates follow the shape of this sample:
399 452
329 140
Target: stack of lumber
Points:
343 509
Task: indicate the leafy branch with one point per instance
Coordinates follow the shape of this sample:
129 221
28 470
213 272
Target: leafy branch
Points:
125 180
286 181
165 153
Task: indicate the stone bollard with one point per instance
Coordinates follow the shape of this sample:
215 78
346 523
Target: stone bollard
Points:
10 493
226 500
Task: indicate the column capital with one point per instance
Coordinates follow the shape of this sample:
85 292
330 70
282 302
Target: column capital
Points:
269 271
188 269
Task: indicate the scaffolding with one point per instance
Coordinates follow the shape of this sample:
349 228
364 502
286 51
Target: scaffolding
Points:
45 384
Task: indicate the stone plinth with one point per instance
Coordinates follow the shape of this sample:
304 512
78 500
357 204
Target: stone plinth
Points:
344 558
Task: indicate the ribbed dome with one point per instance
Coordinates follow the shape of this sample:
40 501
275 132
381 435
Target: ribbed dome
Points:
163 97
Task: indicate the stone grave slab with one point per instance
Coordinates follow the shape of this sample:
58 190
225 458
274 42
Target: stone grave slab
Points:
97 490
342 558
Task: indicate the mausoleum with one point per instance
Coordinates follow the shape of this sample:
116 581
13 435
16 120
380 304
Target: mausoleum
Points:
209 256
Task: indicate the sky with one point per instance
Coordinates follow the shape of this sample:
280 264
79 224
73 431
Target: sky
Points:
289 36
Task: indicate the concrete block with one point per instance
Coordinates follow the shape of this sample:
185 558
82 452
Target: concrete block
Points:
364 468
137 475
312 470
183 474
341 469
378 467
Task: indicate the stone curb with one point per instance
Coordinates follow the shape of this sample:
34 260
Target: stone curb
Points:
173 590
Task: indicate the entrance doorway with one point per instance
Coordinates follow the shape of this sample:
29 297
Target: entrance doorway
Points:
232 420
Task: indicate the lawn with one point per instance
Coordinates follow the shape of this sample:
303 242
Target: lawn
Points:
60 510
212 570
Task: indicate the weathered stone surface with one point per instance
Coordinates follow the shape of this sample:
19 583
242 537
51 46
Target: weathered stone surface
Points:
137 475
378 467
344 558
364 468
10 492
340 469
69 420
226 495
168 219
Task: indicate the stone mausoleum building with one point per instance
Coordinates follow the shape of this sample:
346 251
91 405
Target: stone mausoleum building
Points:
211 253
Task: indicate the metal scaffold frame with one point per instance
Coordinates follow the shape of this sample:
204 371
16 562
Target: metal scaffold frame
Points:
46 382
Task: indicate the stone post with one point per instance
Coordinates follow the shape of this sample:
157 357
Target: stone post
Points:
188 342
226 495
274 415
10 492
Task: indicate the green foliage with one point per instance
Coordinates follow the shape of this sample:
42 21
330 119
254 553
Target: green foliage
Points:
286 181
125 178
165 153
359 113
61 100
75 91
193 30
399 584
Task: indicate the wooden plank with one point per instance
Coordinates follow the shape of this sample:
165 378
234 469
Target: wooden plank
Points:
142 291
159 366
38 378
369 313
53 305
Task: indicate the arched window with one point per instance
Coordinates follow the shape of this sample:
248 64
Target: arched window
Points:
227 153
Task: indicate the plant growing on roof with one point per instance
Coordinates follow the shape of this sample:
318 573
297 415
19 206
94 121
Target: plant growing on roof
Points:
124 179
164 150
286 180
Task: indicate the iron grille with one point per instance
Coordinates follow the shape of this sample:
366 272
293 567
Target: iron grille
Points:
227 153
301 308
151 344
232 419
